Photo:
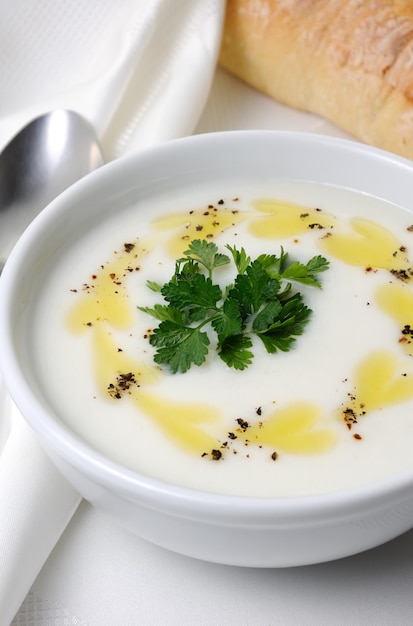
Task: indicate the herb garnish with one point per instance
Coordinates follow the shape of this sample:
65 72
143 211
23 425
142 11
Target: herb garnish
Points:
260 302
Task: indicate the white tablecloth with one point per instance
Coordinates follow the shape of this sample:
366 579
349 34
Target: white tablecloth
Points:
101 575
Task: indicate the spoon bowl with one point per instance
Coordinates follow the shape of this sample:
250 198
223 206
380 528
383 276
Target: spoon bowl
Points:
42 160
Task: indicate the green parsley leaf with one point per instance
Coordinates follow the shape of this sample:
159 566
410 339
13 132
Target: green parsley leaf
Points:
185 267
227 322
164 312
274 264
179 346
234 351
260 302
282 333
240 257
193 293
253 288
306 274
154 286
267 315
207 254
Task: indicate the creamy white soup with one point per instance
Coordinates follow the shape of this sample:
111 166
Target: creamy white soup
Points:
332 412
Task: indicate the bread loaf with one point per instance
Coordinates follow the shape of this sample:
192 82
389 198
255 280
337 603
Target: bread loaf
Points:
350 61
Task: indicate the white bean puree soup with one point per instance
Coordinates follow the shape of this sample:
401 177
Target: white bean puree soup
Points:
280 365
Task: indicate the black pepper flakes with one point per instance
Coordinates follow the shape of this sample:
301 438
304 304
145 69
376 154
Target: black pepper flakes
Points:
407 330
402 274
122 385
350 417
216 455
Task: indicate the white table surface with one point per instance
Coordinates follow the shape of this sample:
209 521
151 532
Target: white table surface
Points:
100 575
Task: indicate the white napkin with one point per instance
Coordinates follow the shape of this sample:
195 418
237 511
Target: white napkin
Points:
39 505
140 71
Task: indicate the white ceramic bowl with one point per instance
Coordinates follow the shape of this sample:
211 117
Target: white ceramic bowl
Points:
245 531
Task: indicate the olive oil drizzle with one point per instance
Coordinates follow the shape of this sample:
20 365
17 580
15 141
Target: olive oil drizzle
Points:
382 378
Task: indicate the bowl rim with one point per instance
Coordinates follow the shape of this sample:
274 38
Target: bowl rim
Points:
156 493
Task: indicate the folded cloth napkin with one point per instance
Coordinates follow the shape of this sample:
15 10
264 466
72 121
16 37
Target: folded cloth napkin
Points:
36 505
140 71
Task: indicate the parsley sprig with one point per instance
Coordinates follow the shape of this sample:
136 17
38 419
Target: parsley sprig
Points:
259 302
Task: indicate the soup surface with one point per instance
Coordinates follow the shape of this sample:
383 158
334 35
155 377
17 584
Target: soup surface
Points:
332 412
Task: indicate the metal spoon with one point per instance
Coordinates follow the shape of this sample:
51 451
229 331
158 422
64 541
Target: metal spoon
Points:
43 159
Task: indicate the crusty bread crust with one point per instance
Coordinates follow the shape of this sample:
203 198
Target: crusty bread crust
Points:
350 61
